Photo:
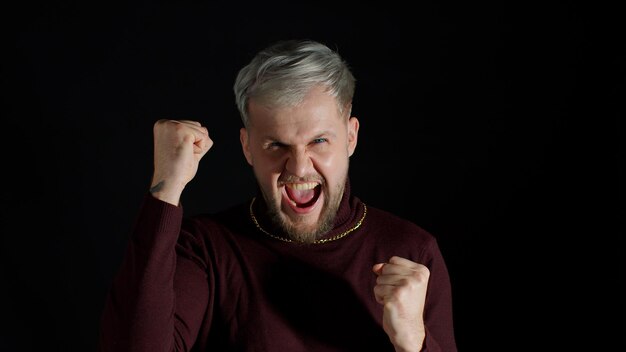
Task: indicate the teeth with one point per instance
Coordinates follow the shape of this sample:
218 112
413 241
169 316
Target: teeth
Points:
302 186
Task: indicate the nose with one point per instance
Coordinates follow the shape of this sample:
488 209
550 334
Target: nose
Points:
299 162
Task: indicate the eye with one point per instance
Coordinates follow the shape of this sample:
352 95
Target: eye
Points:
274 145
320 140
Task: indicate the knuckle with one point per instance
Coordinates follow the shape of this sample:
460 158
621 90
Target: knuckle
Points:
158 124
423 272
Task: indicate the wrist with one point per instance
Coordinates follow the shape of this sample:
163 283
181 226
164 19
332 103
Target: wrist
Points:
410 342
168 192
413 348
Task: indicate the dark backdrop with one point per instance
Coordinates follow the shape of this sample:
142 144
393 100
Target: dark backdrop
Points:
470 127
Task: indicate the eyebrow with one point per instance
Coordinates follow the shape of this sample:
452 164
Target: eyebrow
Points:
319 135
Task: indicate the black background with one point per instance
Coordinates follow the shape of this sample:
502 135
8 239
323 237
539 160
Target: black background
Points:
476 123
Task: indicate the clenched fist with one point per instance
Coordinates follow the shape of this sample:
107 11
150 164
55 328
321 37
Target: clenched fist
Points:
178 147
401 290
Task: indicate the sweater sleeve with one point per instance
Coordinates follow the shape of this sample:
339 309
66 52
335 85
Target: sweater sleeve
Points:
159 295
438 311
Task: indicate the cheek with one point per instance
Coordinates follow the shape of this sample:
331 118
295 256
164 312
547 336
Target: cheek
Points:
326 161
331 163
267 169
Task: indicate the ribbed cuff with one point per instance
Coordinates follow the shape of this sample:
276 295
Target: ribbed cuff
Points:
157 219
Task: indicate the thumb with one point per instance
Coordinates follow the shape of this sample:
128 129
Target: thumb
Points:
378 268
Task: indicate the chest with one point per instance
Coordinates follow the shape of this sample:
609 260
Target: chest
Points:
300 300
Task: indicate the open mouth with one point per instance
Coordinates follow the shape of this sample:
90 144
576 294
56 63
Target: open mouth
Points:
303 195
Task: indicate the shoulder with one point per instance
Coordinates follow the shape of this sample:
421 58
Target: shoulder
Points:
384 219
228 219
391 230
215 235
230 222
393 235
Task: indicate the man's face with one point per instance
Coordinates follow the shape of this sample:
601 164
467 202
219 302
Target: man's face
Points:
300 159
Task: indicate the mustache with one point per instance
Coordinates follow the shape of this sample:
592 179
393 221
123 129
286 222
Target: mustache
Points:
296 179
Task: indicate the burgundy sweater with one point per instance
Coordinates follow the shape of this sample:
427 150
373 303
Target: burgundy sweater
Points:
217 283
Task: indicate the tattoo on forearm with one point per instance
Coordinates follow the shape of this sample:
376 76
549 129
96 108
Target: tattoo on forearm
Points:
156 187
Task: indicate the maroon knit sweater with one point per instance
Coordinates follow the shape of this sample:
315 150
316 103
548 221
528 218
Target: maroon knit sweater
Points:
217 283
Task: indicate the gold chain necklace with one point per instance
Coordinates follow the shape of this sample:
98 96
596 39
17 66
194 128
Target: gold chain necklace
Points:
323 240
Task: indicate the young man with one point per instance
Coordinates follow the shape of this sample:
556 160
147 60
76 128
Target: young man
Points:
304 265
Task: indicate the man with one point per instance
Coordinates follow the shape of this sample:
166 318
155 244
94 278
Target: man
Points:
304 265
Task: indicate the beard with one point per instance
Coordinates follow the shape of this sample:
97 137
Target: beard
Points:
295 228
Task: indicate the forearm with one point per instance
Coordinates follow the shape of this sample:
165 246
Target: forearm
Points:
438 322
139 311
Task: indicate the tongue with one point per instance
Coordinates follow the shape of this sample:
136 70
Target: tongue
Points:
301 196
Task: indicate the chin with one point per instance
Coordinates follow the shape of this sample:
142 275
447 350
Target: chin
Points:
304 224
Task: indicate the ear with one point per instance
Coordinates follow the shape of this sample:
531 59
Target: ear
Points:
353 134
245 144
